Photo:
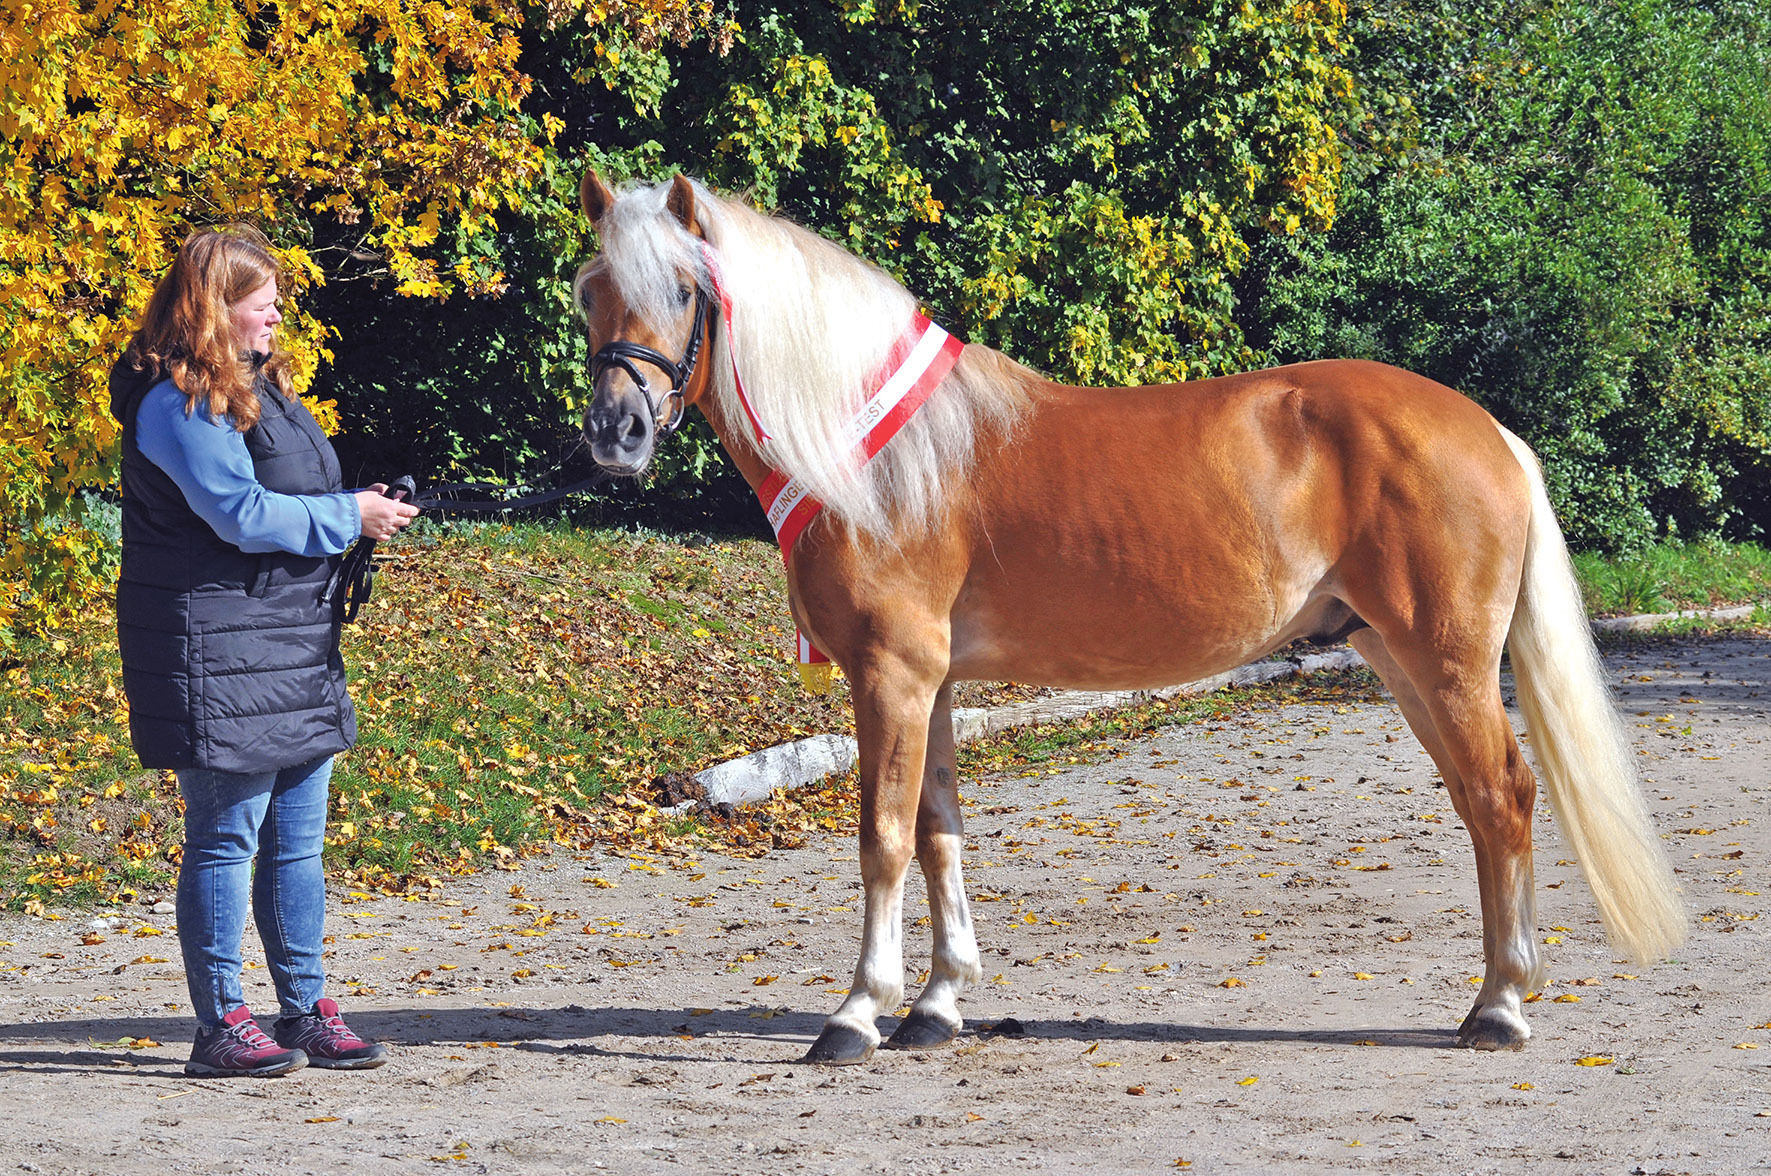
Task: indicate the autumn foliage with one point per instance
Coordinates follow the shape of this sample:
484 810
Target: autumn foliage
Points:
375 136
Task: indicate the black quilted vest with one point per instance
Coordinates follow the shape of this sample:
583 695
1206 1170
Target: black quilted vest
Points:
230 658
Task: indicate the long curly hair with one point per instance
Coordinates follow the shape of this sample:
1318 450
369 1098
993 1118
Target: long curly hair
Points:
187 331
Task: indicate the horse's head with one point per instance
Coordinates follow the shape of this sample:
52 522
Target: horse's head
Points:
645 304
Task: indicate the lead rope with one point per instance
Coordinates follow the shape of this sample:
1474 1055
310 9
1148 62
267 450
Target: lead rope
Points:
354 582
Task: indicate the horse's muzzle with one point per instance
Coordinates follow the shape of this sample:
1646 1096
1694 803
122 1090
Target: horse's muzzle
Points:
621 432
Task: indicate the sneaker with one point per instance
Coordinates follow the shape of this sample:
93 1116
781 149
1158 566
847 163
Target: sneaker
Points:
238 1048
327 1041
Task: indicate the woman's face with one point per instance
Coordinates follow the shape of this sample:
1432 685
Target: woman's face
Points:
255 317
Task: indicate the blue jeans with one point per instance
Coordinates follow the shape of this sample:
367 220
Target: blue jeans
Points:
277 819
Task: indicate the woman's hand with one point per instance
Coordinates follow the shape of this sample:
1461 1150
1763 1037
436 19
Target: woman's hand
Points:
383 518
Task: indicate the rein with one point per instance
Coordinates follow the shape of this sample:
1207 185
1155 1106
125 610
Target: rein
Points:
354 581
440 500
621 353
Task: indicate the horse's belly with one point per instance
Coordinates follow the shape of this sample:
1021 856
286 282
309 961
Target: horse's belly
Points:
1102 644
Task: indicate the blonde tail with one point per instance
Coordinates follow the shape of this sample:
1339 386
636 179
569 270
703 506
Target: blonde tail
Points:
1582 751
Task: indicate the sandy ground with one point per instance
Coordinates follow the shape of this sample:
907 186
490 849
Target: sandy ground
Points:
1236 948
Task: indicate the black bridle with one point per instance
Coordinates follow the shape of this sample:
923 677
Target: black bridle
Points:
620 353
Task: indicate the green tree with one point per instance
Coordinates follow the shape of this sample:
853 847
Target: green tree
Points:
1075 185
1578 238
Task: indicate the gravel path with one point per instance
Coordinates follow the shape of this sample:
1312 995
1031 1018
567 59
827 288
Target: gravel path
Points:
1242 947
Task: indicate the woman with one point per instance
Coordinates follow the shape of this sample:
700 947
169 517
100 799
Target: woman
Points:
234 518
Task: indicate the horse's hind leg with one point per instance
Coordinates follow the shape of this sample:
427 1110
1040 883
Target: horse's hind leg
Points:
1457 713
892 704
940 839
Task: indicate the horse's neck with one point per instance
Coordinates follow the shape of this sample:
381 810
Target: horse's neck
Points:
737 437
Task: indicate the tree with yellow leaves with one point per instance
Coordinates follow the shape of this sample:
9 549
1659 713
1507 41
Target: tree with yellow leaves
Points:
381 130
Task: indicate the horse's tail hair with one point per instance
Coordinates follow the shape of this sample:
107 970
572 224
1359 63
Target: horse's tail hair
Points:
1580 745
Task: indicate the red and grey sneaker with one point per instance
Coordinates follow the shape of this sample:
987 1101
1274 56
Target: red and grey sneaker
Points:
238 1048
327 1040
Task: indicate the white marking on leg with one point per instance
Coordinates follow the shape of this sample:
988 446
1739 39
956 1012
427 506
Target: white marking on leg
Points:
956 962
879 972
1514 967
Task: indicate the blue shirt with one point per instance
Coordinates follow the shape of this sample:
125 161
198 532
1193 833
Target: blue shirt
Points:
207 459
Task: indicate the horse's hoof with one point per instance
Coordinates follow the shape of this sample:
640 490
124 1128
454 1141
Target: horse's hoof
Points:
839 1045
1492 1029
922 1031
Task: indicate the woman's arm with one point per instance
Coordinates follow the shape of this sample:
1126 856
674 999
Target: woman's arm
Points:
209 462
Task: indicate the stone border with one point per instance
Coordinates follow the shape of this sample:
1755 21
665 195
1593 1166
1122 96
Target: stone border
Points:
1641 621
759 775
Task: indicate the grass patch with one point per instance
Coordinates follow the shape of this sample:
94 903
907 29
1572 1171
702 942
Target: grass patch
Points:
1671 576
513 686
522 687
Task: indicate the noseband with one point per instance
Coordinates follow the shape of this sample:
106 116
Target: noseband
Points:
620 353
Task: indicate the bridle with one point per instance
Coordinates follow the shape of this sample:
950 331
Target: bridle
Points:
621 353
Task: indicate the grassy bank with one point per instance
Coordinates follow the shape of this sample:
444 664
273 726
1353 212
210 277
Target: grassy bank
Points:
524 687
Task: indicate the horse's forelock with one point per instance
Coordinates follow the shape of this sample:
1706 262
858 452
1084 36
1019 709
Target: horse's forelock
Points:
648 254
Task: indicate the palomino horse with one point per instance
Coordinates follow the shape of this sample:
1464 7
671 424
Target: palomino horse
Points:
1018 529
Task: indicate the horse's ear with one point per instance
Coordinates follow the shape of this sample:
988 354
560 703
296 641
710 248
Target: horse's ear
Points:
594 196
682 201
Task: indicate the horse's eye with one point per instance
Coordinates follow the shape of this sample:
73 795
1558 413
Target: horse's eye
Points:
683 293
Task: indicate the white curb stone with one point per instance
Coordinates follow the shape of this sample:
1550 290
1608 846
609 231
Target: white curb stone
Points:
756 776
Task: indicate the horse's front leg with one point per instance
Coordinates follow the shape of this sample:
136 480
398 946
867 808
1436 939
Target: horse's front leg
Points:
940 840
892 704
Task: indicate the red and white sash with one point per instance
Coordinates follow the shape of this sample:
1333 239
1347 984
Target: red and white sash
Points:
916 364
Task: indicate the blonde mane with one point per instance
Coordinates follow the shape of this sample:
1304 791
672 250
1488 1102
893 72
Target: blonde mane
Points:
812 323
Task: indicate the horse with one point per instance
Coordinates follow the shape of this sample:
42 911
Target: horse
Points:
1018 529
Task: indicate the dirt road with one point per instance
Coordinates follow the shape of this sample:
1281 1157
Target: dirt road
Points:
1236 948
